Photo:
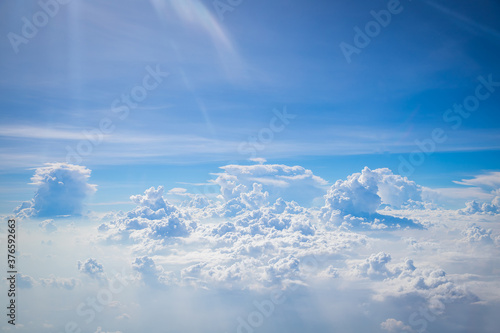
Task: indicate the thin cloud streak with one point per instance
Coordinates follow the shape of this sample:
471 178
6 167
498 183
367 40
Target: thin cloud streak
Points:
464 19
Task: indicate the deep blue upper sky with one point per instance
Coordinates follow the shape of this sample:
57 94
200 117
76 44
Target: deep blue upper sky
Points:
227 76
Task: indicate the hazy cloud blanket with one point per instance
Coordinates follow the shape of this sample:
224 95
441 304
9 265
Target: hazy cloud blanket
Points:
371 247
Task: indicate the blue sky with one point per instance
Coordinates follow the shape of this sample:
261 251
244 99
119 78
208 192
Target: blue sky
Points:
227 76
141 94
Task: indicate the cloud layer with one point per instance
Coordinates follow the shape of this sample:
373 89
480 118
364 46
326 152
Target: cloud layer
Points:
370 250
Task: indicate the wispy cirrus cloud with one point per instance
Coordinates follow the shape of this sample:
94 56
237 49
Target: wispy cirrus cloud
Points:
486 181
40 132
468 22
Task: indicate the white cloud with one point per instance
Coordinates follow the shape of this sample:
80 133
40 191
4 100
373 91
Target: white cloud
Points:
395 190
154 218
263 248
393 325
40 132
477 234
62 189
246 201
152 274
251 245
288 182
357 194
364 192
489 181
25 281
375 266
474 207
488 187
480 192
91 268
48 226
259 160
354 202
151 204
455 196
406 281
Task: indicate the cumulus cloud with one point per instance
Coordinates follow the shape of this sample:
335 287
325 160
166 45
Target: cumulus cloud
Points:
357 194
288 182
488 186
245 201
476 234
153 218
375 267
61 190
364 192
199 202
25 281
392 325
405 280
350 202
48 226
263 248
256 239
250 241
151 205
354 201
152 274
474 207
91 268
397 191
